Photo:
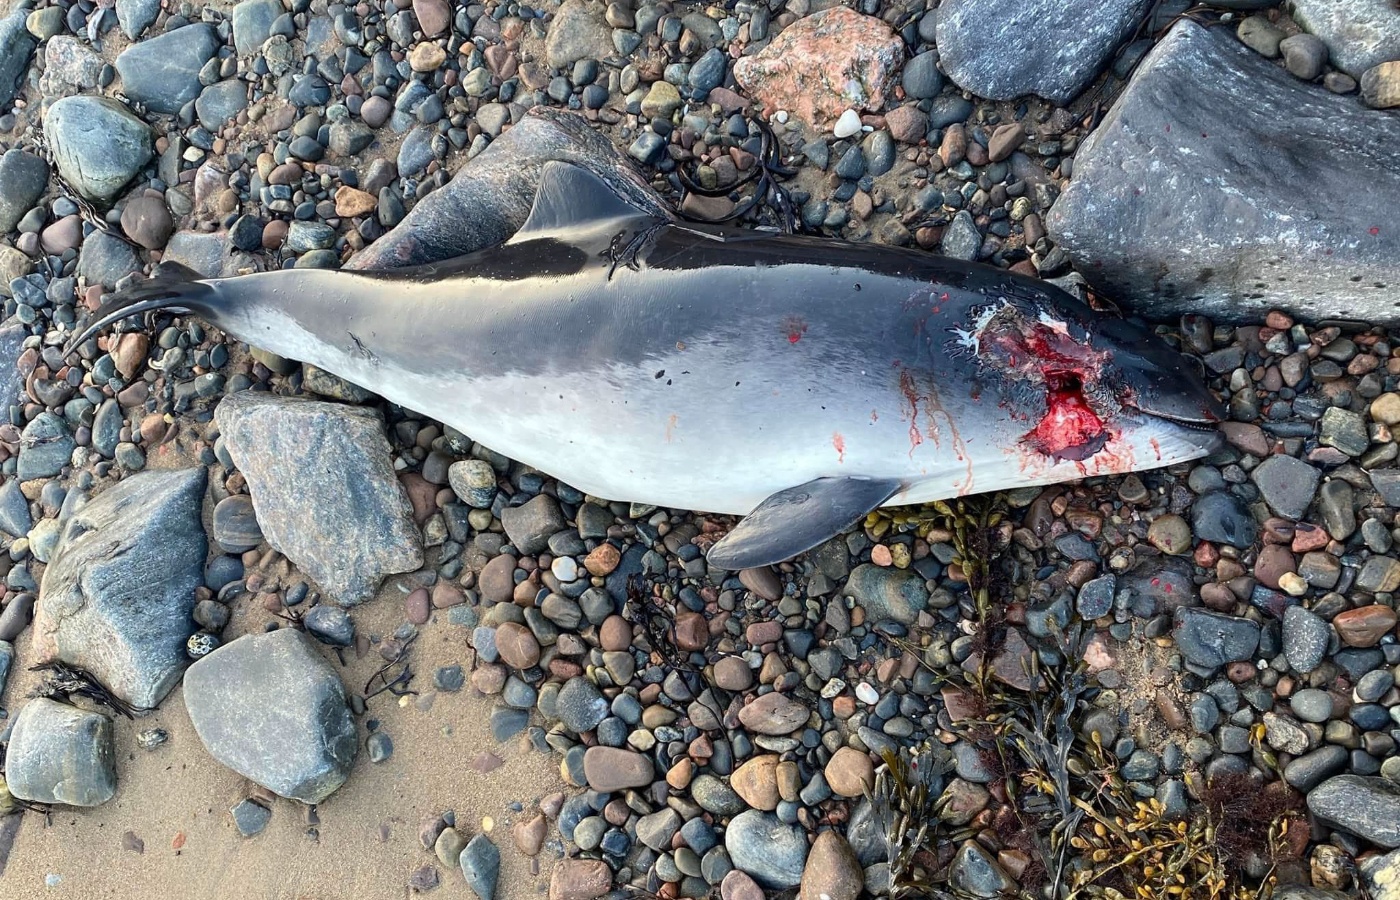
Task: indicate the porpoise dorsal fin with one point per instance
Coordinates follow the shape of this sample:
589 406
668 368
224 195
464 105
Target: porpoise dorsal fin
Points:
569 197
797 519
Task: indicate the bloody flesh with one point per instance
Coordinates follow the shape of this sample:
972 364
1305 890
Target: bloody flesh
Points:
1070 428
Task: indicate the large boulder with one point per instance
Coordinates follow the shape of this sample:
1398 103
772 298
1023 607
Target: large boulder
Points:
1187 197
118 597
272 709
323 486
61 754
163 72
98 145
1051 48
489 199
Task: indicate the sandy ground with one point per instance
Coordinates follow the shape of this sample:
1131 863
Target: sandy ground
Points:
176 799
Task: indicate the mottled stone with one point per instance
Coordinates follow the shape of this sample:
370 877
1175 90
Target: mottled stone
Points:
297 456
824 64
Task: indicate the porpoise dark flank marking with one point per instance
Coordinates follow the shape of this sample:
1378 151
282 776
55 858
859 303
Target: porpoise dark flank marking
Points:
800 382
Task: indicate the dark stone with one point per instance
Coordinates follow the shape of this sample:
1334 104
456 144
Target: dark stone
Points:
1209 639
1052 48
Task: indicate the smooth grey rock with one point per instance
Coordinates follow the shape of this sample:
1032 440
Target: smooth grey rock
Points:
1210 639
1305 772
1287 484
15 519
298 456
271 708
1303 892
1051 48
97 144
16 47
887 593
163 72
481 865
106 259
578 31
219 103
23 177
1359 33
252 24
118 597
135 16
581 706
250 818
530 525
45 447
330 625
977 872
1180 202
61 754
1368 807
489 199
760 845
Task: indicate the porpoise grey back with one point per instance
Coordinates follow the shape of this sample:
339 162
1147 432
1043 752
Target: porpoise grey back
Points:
799 381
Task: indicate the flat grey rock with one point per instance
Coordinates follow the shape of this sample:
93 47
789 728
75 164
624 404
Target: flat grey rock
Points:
16 47
117 598
45 447
163 72
1368 807
12 335
1051 48
489 198
272 709
298 457
1358 33
1211 639
23 177
1182 200
761 845
98 145
61 754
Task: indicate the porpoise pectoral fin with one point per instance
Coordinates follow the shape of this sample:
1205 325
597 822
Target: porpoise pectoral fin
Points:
569 197
799 518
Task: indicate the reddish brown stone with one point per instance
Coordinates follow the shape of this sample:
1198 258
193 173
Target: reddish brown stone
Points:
602 560
692 632
1364 627
517 646
615 633
497 579
580 879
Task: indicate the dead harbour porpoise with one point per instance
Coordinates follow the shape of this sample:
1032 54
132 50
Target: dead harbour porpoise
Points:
797 381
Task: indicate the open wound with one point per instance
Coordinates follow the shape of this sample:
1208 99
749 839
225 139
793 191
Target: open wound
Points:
1041 356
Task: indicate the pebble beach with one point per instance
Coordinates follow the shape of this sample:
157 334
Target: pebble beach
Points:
265 633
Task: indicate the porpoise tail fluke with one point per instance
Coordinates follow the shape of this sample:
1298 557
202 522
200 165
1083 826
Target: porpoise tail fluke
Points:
172 287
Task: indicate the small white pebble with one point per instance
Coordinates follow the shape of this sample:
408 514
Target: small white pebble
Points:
565 568
781 117
487 824
847 125
867 694
52 879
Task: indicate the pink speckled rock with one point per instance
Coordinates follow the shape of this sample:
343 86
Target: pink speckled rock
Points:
823 65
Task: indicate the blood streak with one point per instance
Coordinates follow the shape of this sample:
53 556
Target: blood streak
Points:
839 443
911 396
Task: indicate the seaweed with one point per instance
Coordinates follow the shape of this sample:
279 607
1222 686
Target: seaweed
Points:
68 681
